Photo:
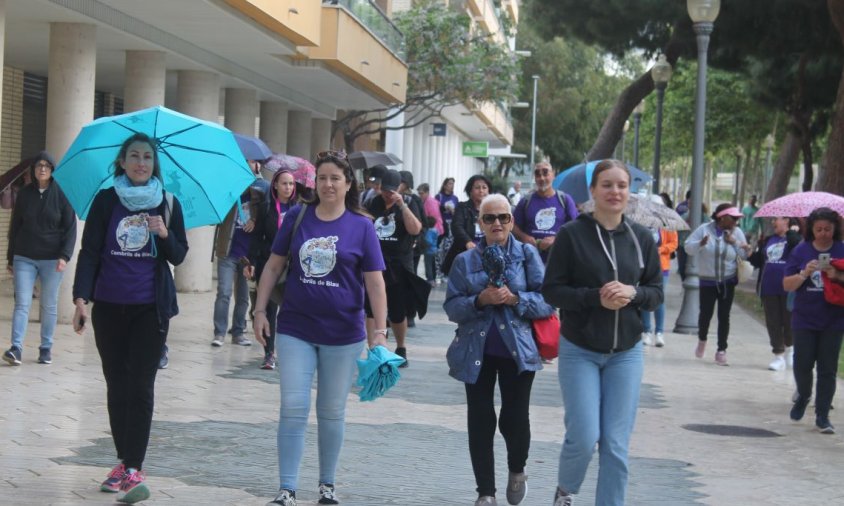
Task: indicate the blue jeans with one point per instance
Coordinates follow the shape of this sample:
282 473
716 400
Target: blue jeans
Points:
659 314
600 395
230 273
335 366
26 271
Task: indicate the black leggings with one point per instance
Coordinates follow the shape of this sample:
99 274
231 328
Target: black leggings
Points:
817 347
709 295
513 421
129 339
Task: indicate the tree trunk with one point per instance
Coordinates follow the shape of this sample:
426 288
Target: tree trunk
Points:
832 176
749 170
808 171
786 159
613 128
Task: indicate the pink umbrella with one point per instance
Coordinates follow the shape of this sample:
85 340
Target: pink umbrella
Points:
303 171
800 205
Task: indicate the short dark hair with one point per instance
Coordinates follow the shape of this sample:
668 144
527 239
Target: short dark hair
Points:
121 155
423 188
823 214
474 179
605 165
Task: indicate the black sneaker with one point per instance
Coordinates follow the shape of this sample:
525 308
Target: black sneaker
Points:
164 361
326 494
823 425
13 356
402 352
799 409
44 356
284 498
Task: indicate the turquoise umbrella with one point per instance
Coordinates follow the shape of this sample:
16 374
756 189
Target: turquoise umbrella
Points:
378 373
201 163
575 180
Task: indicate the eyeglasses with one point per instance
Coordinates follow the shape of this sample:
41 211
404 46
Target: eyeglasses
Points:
503 218
340 155
43 166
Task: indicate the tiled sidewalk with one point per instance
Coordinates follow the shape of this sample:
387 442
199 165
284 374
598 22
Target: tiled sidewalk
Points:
213 439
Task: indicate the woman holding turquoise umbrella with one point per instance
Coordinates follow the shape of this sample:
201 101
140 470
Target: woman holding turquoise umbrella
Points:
132 232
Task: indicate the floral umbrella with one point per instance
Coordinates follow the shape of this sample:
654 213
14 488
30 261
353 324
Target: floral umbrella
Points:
640 209
302 170
800 205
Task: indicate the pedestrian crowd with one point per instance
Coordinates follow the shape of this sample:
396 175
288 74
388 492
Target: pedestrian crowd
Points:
347 261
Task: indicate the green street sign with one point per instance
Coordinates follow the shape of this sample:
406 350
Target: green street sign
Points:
477 149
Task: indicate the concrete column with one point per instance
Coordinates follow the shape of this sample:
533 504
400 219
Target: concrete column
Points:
2 47
70 105
144 80
320 136
241 110
198 96
394 141
274 125
299 134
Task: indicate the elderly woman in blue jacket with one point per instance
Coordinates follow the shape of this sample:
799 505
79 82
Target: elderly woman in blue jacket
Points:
493 312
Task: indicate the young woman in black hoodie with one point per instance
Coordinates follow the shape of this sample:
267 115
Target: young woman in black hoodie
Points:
42 235
603 271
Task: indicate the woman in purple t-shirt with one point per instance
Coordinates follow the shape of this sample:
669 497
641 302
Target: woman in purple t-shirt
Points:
818 325
131 235
334 256
770 258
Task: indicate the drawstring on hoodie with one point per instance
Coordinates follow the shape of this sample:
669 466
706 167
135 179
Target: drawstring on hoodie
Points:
607 251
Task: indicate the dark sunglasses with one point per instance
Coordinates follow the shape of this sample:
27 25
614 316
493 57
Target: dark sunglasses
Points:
340 155
503 218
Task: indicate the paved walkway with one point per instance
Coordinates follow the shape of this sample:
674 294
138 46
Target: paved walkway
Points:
705 434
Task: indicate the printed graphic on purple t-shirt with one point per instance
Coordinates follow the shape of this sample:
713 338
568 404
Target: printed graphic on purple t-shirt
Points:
323 302
127 264
448 204
774 268
542 218
240 238
811 310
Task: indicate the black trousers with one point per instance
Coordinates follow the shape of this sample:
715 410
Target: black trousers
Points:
710 295
778 322
129 339
513 420
821 347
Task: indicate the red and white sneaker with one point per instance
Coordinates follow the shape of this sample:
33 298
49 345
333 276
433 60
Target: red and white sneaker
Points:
114 479
133 489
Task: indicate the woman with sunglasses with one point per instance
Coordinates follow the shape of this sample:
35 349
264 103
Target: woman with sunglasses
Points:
492 307
717 246
334 257
603 271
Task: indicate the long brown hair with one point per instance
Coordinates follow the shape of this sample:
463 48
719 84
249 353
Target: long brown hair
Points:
352 200
121 155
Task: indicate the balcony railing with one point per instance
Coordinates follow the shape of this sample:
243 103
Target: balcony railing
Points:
375 20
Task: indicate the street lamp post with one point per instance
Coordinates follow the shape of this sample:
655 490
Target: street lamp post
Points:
637 119
533 123
661 73
703 14
769 145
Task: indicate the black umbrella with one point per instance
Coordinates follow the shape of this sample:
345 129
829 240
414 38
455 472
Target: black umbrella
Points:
365 159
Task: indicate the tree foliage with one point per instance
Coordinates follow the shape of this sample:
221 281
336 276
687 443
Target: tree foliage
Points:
575 94
789 48
448 64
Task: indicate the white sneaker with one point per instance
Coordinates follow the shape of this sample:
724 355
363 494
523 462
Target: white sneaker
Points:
647 338
789 357
778 364
660 340
218 341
